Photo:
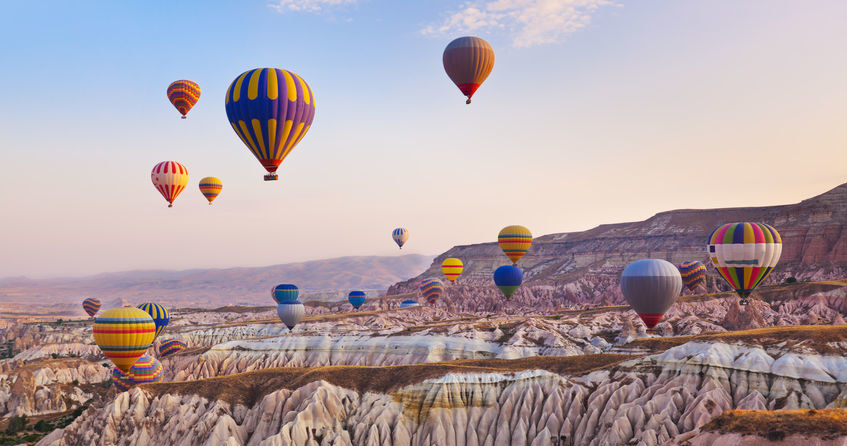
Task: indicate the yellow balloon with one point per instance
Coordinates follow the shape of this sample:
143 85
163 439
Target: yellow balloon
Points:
515 241
124 334
452 268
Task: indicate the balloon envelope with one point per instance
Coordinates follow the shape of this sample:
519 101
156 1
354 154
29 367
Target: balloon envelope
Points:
124 334
290 313
744 254
91 306
356 298
408 303
452 268
170 179
211 187
270 110
468 61
515 241
171 346
508 278
400 236
121 380
183 94
431 290
146 370
159 314
693 274
651 286
285 292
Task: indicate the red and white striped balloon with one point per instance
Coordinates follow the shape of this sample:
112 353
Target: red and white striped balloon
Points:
170 178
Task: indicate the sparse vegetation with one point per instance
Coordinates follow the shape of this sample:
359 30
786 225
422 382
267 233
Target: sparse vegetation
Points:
791 279
775 425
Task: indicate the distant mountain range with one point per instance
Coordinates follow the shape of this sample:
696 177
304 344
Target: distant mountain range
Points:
580 267
320 279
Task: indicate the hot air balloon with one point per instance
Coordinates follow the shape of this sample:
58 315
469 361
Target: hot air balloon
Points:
409 303
508 278
170 178
91 306
515 241
468 61
744 254
183 94
431 290
146 370
452 268
651 286
285 292
400 235
290 313
171 346
693 274
211 187
159 314
356 298
121 380
124 334
270 110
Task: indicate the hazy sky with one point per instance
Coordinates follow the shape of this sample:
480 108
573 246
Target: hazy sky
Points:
596 112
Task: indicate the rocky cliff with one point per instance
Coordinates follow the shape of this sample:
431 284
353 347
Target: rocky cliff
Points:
584 267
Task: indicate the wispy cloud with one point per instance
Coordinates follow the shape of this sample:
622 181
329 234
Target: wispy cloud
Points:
528 22
313 6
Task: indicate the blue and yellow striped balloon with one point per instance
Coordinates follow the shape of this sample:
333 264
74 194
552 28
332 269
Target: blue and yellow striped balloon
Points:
270 110
171 346
159 314
124 334
91 306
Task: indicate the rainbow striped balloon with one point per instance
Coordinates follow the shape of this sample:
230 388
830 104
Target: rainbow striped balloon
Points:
452 268
211 187
270 110
431 290
121 380
170 178
159 314
744 254
693 274
124 334
515 241
146 370
91 306
171 346
183 94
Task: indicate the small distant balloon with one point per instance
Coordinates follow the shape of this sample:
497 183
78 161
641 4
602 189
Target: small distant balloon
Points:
744 254
400 236
468 61
693 274
285 292
651 286
290 313
91 306
211 187
515 241
408 303
452 268
170 346
431 290
124 334
508 278
356 298
170 178
159 314
183 94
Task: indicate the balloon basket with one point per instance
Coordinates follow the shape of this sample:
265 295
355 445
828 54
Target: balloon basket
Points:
744 302
183 117
271 177
468 101
170 205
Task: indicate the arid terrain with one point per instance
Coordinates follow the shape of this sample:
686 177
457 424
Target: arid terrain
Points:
564 363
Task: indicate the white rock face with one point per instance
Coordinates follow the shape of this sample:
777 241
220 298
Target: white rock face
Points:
647 401
49 387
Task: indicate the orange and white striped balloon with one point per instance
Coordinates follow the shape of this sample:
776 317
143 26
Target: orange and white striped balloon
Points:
170 178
